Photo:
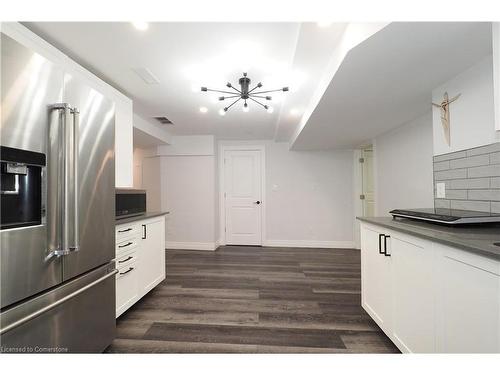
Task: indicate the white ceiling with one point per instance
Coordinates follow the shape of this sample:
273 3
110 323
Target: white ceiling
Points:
383 82
185 56
388 79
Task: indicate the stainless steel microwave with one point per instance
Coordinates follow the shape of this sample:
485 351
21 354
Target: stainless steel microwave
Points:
130 202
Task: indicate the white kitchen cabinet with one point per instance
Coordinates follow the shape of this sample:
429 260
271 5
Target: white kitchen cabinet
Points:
124 143
442 299
468 298
412 294
152 254
376 276
140 260
126 285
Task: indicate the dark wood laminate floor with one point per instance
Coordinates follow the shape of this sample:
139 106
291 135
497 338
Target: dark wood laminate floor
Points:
254 300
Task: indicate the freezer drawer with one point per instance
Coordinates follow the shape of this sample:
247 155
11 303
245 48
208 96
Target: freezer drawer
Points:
76 317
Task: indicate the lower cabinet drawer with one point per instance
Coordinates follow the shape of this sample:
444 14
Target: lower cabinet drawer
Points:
125 258
125 231
126 286
126 246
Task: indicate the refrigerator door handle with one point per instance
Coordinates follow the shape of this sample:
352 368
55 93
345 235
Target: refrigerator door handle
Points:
44 309
73 244
67 199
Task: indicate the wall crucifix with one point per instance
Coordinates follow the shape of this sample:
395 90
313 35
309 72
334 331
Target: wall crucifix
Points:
444 106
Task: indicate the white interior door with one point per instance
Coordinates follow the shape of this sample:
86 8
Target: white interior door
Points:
243 197
368 183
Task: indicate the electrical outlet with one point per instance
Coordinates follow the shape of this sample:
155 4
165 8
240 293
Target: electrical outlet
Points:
440 190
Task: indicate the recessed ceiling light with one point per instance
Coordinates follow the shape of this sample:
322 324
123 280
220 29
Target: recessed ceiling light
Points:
324 23
203 109
294 112
140 25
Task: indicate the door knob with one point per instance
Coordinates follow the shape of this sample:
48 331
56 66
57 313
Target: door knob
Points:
257 202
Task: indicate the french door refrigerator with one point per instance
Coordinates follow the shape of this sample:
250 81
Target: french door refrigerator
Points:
57 208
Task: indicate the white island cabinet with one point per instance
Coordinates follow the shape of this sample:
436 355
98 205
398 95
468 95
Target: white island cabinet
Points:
467 302
428 297
376 280
140 259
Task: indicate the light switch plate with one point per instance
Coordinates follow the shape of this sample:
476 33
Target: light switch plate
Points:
440 190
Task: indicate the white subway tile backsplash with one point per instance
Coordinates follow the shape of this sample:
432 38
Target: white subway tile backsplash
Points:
494 147
442 203
484 171
471 177
485 195
470 205
442 165
450 156
456 194
450 174
473 161
470 183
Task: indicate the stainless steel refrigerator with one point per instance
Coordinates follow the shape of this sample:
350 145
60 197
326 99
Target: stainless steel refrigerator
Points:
57 208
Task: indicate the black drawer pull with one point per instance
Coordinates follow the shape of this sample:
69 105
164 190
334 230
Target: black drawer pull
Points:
380 243
127 244
145 233
124 230
127 271
125 260
385 246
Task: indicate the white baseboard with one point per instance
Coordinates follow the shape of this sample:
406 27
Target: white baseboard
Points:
209 246
311 243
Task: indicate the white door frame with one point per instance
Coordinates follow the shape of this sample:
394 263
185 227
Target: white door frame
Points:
222 188
358 188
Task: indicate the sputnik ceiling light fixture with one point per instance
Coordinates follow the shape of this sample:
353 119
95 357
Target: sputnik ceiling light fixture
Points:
245 93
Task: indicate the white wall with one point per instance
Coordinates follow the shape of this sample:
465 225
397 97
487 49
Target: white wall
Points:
403 167
189 146
152 183
188 190
308 196
138 158
181 178
472 118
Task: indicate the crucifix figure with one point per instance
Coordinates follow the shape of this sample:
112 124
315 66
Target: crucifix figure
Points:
445 114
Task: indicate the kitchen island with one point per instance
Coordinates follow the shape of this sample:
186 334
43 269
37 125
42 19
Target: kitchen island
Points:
432 288
476 238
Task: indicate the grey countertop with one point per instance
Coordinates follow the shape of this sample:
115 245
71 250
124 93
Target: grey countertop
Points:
478 239
147 215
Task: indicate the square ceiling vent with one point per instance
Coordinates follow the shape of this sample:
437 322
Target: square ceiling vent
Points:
163 120
146 75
